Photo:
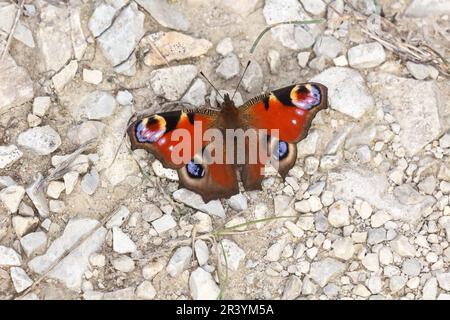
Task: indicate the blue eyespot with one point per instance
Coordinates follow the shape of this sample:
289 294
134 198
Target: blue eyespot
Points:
195 170
281 152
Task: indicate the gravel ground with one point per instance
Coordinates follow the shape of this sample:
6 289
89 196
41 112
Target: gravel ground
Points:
83 217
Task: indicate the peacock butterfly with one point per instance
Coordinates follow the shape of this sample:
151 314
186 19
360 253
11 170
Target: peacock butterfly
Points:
280 119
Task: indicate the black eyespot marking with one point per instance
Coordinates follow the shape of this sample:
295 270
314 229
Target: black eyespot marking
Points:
281 150
284 95
172 119
303 89
195 170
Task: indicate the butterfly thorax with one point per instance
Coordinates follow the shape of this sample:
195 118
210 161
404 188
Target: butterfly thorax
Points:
229 115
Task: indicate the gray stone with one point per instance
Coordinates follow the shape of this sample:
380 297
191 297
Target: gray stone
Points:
118 218
122 242
367 55
253 78
201 252
420 71
196 94
86 131
145 291
40 140
202 285
406 97
20 279
9 257
180 260
11 197
229 67
21 32
314 7
123 263
195 201
345 84
90 182
96 105
238 202
225 47
17 87
326 270
411 267
118 42
53 35
101 18
172 82
351 183
71 268
327 46
423 8
34 243
9 155
63 77
295 37
292 289
163 224
167 15
234 254
444 280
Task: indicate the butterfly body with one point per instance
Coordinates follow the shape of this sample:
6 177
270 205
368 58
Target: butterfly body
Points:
272 124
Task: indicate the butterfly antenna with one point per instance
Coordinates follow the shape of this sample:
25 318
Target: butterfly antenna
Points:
203 75
240 80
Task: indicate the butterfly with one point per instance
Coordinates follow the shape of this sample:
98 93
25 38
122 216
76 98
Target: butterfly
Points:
288 112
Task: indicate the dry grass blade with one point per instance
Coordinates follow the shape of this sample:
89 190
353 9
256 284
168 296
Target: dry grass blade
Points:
255 43
13 29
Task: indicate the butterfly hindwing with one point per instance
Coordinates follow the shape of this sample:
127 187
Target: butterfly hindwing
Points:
157 133
289 110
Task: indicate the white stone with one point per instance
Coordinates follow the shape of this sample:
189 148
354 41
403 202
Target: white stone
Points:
326 270
273 58
295 37
371 262
122 242
327 46
34 243
11 197
419 126
124 97
202 285
315 7
118 42
17 87
195 201
97 260
123 263
41 105
343 85
118 218
233 253
343 248
338 215
180 260
253 78
172 82
444 280
23 225
96 105
379 218
166 14
204 223
92 76
402 247
55 188
430 289
196 94
364 209
40 140
63 77
20 279
367 55
423 8
229 67
225 46
162 172
72 267
201 252
238 202
303 58
9 257
90 182
152 269
70 180
163 224
145 291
